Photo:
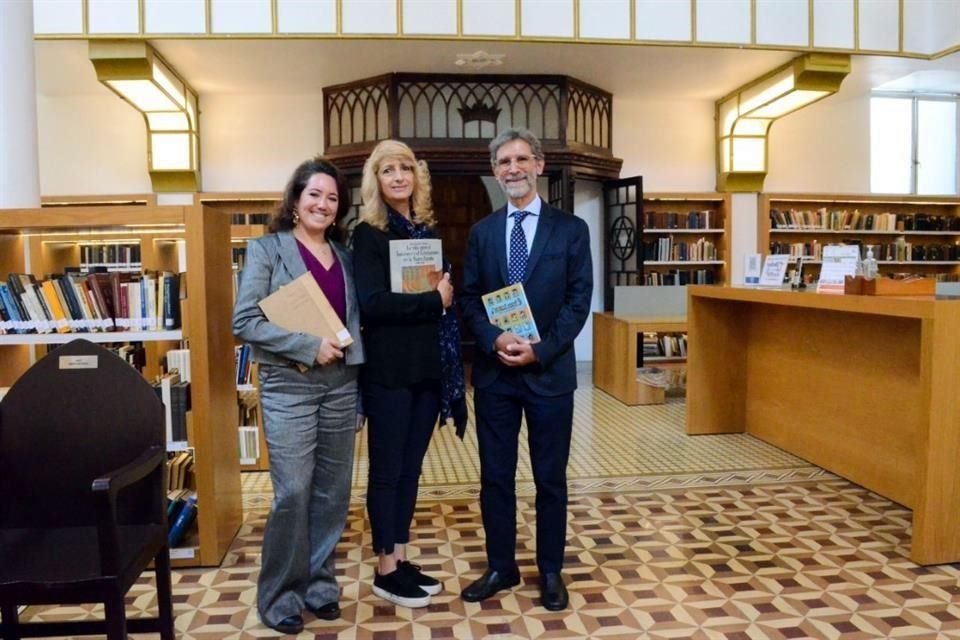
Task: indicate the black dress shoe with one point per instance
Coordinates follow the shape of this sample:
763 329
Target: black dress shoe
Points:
490 583
291 625
553 593
329 611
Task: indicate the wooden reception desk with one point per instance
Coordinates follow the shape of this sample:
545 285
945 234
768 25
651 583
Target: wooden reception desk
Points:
866 387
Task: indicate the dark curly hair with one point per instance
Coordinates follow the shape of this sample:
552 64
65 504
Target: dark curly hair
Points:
282 220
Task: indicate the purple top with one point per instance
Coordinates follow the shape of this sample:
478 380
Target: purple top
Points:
330 280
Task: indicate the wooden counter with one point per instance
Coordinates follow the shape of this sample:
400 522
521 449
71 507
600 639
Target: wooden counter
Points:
615 351
867 387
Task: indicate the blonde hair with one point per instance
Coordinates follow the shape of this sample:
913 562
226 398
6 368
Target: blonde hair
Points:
373 211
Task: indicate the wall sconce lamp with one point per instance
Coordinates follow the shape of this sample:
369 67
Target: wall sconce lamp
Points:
136 73
745 116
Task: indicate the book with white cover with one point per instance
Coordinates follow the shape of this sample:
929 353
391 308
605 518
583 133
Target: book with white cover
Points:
415 265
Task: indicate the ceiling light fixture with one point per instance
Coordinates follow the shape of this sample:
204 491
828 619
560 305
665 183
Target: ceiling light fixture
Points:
135 72
745 116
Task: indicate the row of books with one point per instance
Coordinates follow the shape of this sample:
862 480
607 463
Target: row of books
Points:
846 220
96 302
181 496
243 364
249 429
174 393
118 253
812 250
181 515
178 361
664 345
180 475
250 218
668 249
899 251
678 277
238 256
672 220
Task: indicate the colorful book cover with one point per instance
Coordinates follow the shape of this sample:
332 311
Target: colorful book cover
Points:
508 309
415 265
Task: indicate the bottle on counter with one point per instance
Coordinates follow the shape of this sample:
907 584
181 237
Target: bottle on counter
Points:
870 265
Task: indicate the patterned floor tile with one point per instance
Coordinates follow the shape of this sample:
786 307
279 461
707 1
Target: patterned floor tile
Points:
708 538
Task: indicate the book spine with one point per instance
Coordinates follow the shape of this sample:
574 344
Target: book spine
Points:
183 521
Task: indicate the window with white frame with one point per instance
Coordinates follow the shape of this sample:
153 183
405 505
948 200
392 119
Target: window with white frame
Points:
913 144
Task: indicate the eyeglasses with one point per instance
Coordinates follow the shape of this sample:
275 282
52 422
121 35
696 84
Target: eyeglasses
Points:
521 161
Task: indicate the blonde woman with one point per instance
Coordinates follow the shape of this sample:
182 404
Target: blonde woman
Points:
413 372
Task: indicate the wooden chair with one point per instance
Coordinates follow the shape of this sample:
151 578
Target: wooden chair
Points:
82 500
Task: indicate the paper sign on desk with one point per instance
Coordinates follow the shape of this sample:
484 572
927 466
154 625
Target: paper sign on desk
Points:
774 268
838 261
751 269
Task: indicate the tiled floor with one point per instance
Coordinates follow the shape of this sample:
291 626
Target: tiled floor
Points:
670 536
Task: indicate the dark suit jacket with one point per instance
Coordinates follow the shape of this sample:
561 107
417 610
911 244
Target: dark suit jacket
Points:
272 261
558 284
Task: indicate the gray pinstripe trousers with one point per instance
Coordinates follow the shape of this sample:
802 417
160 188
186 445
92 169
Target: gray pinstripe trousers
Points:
309 422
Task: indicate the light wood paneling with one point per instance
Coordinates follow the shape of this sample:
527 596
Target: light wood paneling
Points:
615 341
863 386
211 357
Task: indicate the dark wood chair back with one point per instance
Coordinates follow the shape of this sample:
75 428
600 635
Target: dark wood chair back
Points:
82 454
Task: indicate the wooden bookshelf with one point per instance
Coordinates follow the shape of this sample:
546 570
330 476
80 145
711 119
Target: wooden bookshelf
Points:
940 247
45 240
248 213
680 218
616 340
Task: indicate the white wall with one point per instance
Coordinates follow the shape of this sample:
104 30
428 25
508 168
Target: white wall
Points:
91 145
668 142
587 204
254 142
824 148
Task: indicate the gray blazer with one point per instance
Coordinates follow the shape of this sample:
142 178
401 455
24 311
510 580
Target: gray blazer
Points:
272 261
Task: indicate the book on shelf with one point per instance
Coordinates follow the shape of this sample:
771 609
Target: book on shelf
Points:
415 265
23 289
174 393
242 361
249 444
182 523
179 469
178 360
56 303
508 309
300 306
102 291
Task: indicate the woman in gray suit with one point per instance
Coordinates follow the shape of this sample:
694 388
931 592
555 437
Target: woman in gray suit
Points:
308 391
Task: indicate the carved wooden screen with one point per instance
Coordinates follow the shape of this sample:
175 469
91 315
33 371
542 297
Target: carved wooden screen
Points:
563 112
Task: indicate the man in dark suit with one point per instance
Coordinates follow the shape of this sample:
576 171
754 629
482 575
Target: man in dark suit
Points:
547 250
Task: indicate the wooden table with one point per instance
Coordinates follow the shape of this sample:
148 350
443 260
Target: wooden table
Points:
615 352
867 387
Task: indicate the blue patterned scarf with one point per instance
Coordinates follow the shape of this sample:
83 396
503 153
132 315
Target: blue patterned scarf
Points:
453 400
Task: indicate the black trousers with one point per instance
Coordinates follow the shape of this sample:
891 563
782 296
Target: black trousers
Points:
399 425
499 408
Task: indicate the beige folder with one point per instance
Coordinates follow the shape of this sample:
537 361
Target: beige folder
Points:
301 306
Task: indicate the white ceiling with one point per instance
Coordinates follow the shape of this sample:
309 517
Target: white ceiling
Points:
305 66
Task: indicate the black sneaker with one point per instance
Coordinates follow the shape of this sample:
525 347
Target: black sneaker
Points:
418 577
398 588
